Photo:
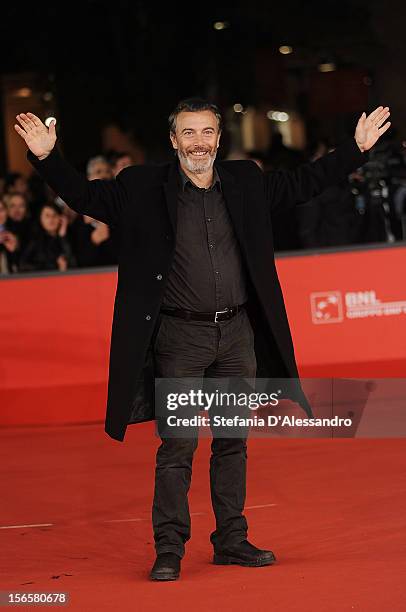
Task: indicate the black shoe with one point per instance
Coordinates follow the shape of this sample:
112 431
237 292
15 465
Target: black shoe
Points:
166 567
244 553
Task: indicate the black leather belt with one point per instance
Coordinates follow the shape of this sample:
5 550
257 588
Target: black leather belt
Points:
219 315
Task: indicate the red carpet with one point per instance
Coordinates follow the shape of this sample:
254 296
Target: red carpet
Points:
334 513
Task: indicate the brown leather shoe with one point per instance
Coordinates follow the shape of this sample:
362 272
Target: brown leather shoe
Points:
166 567
245 554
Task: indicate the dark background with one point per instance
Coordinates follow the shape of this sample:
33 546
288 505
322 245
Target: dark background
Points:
130 62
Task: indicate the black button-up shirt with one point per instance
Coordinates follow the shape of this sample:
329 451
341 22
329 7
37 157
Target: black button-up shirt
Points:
207 272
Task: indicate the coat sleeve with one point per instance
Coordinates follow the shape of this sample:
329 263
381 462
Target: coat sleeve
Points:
104 200
285 189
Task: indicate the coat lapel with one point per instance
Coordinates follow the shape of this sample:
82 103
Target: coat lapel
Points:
234 199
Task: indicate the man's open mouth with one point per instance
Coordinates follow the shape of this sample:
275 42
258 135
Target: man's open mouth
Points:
198 153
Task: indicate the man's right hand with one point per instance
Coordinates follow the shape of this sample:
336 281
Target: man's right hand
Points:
39 139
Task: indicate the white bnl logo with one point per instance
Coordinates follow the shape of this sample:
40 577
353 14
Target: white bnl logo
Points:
326 307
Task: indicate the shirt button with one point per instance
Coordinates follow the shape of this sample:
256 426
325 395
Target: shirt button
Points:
208 218
148 317
217 272
211 245
159 277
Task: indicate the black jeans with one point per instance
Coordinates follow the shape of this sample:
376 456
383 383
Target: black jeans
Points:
213 350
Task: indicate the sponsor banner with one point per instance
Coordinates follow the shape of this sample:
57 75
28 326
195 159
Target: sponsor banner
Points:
348 308
346 311
335 306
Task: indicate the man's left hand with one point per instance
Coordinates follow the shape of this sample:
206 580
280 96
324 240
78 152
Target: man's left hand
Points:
370 129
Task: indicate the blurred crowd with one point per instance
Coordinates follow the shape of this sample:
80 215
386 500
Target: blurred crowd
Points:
38 231
369 206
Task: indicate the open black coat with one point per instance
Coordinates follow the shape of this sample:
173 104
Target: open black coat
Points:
142 204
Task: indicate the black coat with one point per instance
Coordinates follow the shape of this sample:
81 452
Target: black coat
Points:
142 203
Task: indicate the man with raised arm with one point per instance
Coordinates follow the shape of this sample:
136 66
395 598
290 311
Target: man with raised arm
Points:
197 296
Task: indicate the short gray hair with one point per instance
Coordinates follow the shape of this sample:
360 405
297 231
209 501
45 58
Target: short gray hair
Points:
193 105
93 161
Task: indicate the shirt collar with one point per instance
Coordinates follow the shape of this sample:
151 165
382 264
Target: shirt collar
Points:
185 179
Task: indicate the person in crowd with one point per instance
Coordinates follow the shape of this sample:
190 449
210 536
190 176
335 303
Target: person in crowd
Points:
49 249
16 183
120 160
257 157
40 193
92 241
19 218
9 245
328 219
279 157
98 168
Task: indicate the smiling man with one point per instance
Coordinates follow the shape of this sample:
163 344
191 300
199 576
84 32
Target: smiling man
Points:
196 138
197 296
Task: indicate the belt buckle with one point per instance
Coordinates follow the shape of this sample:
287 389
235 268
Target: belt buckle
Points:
219 312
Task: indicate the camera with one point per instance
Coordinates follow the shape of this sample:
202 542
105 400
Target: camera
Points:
374 188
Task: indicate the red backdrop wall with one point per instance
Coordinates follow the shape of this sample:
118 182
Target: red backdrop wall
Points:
347 312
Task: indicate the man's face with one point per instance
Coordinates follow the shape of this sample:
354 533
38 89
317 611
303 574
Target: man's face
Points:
17 208
196 140
50 220
100 170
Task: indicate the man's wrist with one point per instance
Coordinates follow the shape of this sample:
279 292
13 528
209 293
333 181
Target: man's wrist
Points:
360 146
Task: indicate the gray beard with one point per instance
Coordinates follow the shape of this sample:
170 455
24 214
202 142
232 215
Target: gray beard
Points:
197 166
